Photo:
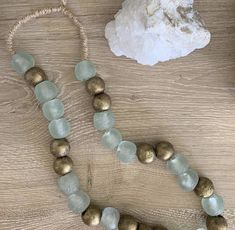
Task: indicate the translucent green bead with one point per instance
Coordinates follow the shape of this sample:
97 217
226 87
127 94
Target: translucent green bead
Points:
213 205
53 109
104 120
177 164
110 218
85 70
126 151
46 91
111 139
22 62
59 128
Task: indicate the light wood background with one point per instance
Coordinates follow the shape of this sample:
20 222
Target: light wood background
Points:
188 101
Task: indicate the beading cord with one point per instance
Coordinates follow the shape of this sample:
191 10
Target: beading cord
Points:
46 11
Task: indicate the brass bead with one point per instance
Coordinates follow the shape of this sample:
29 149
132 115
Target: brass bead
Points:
204 188
164 150
144 227
95 85
159 227
145 153
63 165
92 216
34 76
60 147
102 102
127 223
216 223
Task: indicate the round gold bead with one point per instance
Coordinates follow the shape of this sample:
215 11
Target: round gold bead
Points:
144 227
204 188
102 102
92 216
164 150
63 165
127 223
95 85
216 223
60 147
159 227
34 76
145 153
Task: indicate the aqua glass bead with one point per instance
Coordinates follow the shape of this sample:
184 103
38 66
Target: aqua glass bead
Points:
110 218
177 164
69 183
188 180
126 151
46 91
53 109
78 202
213 205
111 138
22 62
104 120
85 70
59 128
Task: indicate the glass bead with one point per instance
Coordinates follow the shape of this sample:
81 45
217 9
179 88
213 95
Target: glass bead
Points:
126 151
69 183
85 70
177 164
188 180
22 62
46 91
104 120
213 205
111 138
78 202
110 218
53 109
59 128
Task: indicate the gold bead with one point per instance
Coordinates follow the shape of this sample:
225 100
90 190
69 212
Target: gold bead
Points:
102 102
164 150
127 223
144 227
95 85
159 227
216 223
60 147
92 216
34 76
204 188
63 165
145 153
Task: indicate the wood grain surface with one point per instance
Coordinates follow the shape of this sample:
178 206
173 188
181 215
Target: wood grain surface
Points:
188 101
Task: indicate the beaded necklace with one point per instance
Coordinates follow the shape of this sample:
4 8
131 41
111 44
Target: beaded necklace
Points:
104 120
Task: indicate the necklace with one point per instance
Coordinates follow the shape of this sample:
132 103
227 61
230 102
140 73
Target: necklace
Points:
104 120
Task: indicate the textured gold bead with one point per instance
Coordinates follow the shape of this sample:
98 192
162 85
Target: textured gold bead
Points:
145 153
159 227
127 223
164 150
144 227
102 102
95 85
216 223
34 76
92 216
63 165
204 188
60 147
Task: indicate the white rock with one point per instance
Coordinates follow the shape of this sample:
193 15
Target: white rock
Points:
152 31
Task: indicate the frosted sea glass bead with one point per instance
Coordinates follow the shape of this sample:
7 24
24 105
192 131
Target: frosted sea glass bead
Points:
104 120
85 70
177 164
126 151
213 205
110 218
69 183
78 202
53 109
111 138
59 128
46 91
22 62
188 180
